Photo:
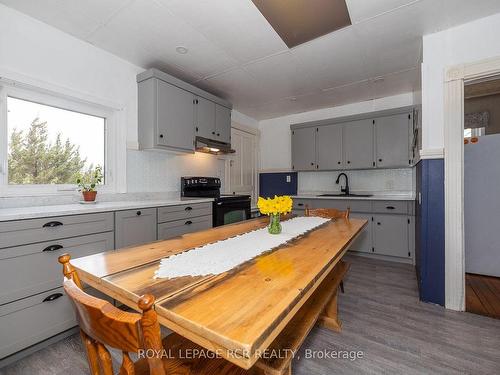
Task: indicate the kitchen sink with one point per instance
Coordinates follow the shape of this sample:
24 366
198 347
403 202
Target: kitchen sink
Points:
345 195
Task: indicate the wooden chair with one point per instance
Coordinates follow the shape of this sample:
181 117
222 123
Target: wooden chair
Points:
102 324
329 213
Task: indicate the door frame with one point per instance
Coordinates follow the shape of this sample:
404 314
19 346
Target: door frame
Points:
455 78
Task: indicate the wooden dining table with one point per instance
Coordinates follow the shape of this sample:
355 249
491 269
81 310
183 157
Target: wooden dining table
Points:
270 301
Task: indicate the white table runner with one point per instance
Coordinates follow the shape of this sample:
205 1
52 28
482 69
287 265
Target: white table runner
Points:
222 256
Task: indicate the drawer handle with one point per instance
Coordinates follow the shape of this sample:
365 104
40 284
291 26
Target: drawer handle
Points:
139 213
52 297
300 204
391 207
53 248
52 224
188 208
189 222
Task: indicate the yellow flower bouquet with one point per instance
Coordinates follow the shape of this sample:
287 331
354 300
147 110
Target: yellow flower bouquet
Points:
274 207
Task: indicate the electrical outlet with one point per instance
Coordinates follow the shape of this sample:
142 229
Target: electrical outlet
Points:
288 178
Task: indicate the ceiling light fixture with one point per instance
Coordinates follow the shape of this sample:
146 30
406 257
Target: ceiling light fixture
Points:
182 50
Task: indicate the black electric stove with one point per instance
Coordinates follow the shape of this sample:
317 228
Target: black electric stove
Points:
226 209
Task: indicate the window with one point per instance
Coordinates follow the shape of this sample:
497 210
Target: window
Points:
50 140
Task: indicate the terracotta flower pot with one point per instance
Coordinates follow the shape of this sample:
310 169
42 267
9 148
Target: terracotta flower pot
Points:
89 196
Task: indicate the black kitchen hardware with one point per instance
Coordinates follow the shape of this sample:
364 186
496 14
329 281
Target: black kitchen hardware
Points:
138 213
391 207
52 297
52 224
189 222
226 209
53 248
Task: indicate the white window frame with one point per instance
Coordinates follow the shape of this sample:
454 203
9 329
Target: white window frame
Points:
63 101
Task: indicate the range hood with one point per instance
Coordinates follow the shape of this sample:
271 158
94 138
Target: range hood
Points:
211 146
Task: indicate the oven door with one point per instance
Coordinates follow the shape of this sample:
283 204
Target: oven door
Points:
230 211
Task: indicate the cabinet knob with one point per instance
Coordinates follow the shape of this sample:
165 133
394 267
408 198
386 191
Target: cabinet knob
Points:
338 162
348 162
218 134
213 133
378 223
379 160
139 213
161 135
312 163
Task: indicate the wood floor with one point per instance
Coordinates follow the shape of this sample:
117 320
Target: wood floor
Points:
381 317
482 295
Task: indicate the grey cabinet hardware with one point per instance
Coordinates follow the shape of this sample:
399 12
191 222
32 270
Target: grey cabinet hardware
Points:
52 297
53 248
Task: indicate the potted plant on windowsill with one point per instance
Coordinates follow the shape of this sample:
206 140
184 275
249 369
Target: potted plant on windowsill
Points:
88 182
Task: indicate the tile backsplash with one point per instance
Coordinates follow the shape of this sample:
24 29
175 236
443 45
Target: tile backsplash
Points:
377 180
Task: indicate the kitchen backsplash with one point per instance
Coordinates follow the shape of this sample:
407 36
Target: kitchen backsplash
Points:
380 180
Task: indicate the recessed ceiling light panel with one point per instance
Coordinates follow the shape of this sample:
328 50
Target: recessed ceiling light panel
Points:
299 21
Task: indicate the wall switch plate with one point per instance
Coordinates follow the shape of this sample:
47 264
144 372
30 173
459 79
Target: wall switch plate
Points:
288 178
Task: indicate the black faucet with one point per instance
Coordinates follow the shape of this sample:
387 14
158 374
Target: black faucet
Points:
345 189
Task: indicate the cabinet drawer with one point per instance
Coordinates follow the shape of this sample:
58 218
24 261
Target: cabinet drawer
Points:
29 269
180 227
31 320
135 227
185 211
300 204
20 232
343 204
390 207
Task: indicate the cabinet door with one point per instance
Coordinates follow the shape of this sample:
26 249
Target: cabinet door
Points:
358 144
205 118
364 241
135 227
329 147
392 137
390 235
304 149
175 121
222 123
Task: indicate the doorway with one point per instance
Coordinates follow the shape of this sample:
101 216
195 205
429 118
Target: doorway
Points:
481 198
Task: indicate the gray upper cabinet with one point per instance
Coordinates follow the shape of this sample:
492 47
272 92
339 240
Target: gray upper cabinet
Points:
172 112
205 118
329 147
223 123
392 141
358 144
304 149
166 116
135 227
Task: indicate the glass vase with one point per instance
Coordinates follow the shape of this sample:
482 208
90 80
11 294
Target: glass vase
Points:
274 226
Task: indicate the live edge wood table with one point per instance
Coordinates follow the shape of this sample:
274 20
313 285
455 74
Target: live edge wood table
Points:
269 303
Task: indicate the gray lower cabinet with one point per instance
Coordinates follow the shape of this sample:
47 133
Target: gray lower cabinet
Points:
390 228
178 220
135 227
179 227
304 149
392 141
33 306
364 241
358 144
30 269
390 235
329 147
30 320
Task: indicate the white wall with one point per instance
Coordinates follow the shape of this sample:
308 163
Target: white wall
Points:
38 54
275 144
477 40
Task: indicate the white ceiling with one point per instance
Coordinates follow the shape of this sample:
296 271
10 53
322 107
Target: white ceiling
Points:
235 53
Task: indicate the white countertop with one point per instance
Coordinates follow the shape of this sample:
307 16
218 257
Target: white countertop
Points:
409 196
19 213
